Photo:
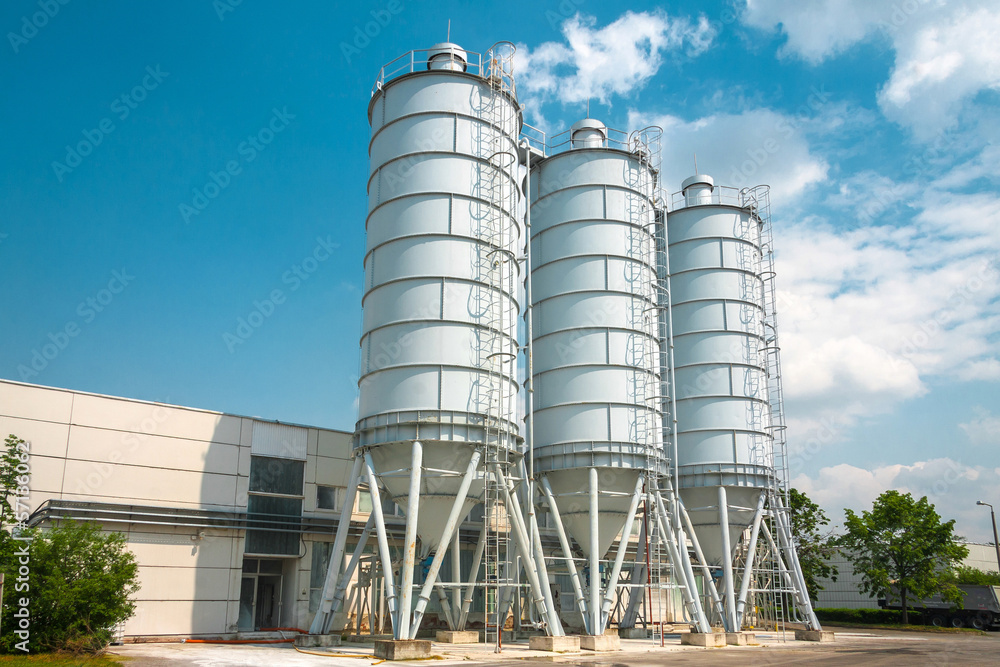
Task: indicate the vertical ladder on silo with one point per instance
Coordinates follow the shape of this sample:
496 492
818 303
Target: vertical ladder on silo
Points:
498 233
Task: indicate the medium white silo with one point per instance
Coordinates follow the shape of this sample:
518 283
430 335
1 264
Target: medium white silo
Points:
596 417
724 438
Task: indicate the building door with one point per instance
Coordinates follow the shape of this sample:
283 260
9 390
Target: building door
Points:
260 595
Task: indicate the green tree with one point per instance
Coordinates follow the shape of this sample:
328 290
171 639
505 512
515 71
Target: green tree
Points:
972 576
79 582
813 546
901 548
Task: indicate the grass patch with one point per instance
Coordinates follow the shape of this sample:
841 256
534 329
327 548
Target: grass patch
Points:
63 660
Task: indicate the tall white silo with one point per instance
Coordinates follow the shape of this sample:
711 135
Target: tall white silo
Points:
438 385
725 458
596 417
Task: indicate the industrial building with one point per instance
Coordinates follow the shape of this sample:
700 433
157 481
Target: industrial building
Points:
570 410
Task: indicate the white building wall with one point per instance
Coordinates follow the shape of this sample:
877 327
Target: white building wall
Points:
109 450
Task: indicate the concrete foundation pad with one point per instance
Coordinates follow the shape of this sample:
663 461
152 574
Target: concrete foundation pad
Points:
741 638
710 639
569 643
814 636
313 641
634 633
457 636
402 649
601 643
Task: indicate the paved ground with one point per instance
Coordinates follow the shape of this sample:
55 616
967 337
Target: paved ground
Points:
852 647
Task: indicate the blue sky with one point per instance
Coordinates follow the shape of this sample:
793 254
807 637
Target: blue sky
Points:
172 169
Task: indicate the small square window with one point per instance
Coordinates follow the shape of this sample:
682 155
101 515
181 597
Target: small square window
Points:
330 497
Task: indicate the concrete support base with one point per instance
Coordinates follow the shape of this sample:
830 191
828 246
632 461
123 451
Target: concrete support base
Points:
601 643
814 636
709 639
402 649
634 633
741 638
457 636
313 641
570 643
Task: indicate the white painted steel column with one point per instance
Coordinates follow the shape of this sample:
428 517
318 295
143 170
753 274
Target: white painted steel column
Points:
383 545
595 572
727 562
709 582
321 620
574 575
609 596
345 580
801 593
453 518
477 558
677 550
554 625
456 573
410 540
741 603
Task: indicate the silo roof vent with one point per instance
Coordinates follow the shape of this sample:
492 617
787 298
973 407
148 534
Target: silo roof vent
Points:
447 56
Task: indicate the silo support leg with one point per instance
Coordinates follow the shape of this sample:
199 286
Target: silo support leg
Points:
449 528
801 593
748 570
410 540
706 573
445 608
321 621
677 552
727 561
477 558
639 580
383 545
456 573
616 570
574 575
345 579
595 563
541 598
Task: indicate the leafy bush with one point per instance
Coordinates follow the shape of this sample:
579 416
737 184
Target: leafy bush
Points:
867 616
972 576
80 587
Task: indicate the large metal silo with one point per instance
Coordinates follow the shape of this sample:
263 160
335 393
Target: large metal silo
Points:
438 385
596 406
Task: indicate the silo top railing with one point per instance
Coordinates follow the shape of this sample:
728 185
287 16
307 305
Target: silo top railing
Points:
721 195
495 65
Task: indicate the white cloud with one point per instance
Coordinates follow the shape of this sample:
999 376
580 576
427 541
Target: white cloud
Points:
951 486
945 52
597 63
984 429
759 146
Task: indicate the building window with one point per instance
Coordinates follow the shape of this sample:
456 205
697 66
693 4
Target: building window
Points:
274 506
330 497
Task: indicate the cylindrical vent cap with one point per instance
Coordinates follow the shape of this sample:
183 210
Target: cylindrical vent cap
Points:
447 56
698 189
589 133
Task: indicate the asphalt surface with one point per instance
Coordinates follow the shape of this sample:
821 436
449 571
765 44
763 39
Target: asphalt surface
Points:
852 647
